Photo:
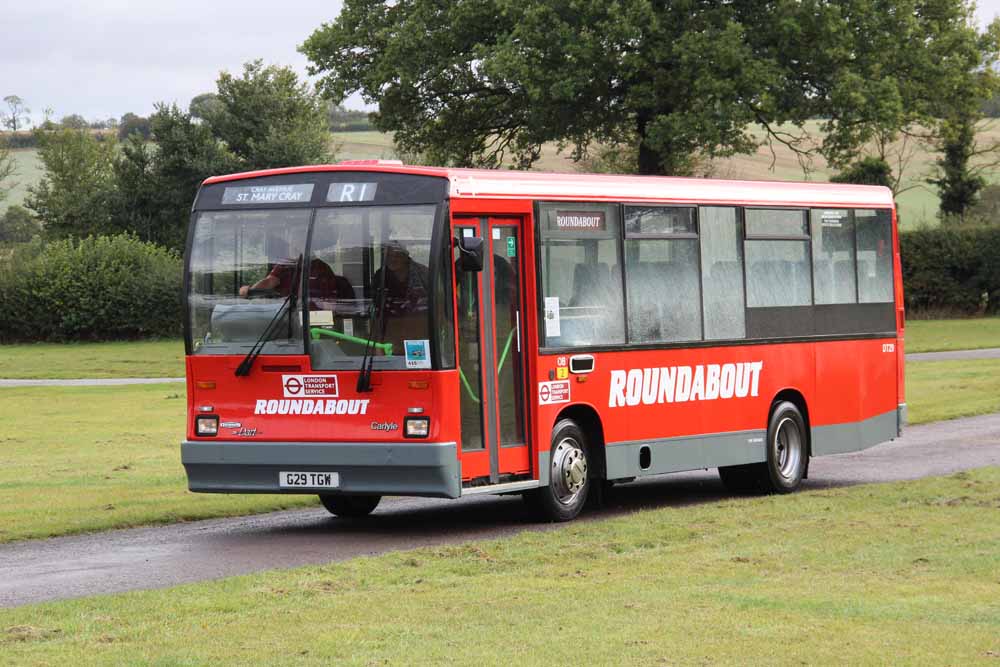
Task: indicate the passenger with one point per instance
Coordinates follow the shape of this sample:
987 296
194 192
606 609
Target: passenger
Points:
407 282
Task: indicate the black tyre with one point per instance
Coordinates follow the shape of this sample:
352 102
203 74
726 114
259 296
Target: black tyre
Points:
350 506
787 456
787 452
569 475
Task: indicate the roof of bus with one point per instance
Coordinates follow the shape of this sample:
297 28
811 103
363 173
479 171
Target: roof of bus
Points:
505 184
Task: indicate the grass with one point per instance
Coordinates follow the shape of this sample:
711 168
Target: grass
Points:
901 573
963 334
109 457
82 459
937 390
141 359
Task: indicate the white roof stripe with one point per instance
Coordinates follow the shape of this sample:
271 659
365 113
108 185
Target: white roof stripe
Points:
487 184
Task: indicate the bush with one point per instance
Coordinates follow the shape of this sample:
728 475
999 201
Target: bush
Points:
951 270
98 288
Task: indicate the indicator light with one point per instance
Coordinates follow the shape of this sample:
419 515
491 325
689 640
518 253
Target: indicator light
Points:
415 411
417 427
205 408
205 385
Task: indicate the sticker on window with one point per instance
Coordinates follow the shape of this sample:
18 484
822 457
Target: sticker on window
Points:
552 317
418 353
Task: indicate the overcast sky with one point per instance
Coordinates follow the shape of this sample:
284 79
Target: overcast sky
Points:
101 59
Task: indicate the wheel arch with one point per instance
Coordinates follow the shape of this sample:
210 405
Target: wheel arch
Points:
590 422
796 397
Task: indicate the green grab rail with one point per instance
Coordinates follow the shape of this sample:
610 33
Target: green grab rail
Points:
503 359
468 387
506 349
316 333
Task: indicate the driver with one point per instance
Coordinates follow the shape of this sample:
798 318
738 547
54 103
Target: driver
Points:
324 284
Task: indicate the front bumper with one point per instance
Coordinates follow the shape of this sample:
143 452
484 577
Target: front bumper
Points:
400 469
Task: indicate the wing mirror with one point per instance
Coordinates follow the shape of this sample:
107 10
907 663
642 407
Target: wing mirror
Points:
470 253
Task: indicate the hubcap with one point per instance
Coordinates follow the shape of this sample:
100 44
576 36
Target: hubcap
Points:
569 470
787 447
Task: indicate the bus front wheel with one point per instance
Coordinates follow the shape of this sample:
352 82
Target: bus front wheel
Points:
350 506
569 475
787 456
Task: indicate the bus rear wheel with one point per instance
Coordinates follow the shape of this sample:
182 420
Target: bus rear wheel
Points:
350 506
569 475
787 456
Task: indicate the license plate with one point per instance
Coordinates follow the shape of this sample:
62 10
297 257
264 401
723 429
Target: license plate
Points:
309 480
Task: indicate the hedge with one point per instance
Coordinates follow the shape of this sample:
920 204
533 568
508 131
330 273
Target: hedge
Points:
951 270
98 288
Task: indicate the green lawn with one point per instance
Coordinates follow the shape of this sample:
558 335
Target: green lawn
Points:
937 390
81 459
965 334
901 573
142 359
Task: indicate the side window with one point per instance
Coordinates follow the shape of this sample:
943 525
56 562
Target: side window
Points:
874 248
581 276
722 273
662 272
777 258
834 276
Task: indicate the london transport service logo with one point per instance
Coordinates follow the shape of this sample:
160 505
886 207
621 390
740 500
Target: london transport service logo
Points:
680 384
309 386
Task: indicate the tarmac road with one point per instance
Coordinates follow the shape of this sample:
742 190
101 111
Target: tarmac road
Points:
144 558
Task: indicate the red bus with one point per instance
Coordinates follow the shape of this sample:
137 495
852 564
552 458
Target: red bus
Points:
368 329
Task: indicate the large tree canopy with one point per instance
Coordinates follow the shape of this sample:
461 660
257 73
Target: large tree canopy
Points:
480 82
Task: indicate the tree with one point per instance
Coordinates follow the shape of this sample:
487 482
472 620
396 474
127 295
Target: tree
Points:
958 182
488 82
205 106
17 225
74 121
268 118
156 186
921 63
131 123
866 171
73 198
17 115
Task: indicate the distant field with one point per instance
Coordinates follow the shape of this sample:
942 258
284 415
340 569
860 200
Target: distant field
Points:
917 206
29 172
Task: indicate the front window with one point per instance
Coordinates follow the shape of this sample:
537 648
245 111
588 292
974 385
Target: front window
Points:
370 283
245 268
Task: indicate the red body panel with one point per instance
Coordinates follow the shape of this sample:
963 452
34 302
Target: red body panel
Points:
234 399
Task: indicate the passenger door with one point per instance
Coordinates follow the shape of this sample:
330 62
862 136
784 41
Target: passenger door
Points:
490 321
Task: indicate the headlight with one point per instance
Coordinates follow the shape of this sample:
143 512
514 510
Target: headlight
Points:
417 427
207 425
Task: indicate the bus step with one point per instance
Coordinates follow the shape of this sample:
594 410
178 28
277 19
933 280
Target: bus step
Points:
507 487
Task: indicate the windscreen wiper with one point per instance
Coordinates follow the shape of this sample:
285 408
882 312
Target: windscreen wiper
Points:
376 330
289 303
